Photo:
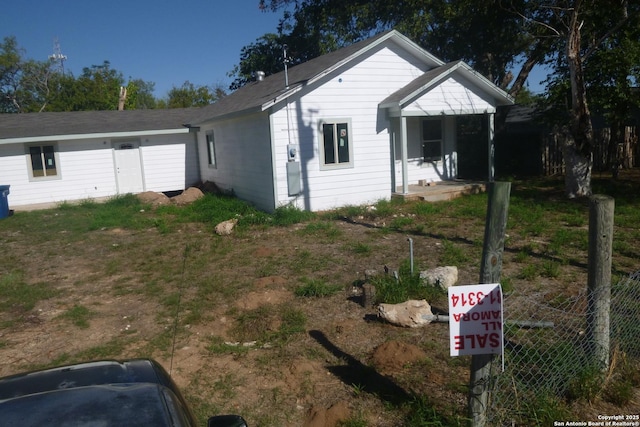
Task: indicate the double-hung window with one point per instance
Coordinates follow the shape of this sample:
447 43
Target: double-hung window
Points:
43 161
211 149
432 140
336 149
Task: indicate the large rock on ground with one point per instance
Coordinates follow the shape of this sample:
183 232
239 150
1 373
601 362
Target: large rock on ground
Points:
443 277
188 196
154 199
409 314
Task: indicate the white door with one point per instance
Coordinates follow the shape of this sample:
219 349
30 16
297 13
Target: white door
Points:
128 167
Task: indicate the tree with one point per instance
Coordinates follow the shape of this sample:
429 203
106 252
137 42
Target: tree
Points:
613 81
27 85
450 30
190 95
265 54
24 84
140 95
584 31
496 35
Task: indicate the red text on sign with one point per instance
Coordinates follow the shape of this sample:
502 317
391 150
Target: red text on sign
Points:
475 298
460 342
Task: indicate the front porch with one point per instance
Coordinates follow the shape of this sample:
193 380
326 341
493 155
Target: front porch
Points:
441 191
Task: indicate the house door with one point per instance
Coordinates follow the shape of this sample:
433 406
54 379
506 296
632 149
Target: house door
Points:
128 167
473 152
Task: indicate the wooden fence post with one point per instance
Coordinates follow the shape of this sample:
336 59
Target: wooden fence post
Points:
490 269
601 210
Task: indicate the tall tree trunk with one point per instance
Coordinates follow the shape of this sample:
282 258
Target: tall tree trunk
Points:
578 148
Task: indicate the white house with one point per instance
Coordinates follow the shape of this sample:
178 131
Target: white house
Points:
53 157
349 127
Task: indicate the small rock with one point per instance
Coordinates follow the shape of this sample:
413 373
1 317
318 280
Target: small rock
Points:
444 277
225 228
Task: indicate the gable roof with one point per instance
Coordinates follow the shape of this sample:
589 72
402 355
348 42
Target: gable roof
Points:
49 126
260 95
433 77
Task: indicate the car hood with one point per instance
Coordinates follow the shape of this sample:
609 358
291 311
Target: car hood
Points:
127 405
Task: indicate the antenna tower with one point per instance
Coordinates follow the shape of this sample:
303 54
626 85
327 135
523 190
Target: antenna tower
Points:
57 57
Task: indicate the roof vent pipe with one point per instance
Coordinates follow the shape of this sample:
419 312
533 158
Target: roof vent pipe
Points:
259 76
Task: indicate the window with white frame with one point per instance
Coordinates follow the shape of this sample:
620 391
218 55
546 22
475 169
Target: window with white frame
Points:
43 161
336 149
211 149
432 140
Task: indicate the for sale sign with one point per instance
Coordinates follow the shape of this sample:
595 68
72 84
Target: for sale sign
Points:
475 319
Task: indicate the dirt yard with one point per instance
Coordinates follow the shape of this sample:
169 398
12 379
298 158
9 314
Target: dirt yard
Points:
122 293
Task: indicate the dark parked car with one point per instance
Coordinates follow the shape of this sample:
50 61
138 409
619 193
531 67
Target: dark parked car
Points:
135 392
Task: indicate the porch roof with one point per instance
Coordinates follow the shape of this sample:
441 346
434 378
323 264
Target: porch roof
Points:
434 77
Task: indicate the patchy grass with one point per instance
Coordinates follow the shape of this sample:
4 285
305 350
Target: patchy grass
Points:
78 315
281 281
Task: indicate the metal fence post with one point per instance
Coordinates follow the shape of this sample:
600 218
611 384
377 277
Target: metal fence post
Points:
490 269
601 210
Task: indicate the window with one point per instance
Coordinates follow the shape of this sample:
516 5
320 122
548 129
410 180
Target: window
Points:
211 149
336 149
432 140
43 161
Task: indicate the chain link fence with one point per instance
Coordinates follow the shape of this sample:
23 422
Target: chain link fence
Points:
548 353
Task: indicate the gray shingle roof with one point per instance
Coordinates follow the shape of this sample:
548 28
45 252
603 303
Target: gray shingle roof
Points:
251 97
90 122
256 94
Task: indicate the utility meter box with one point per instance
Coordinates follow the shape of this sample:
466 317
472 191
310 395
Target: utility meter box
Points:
293 178
293 152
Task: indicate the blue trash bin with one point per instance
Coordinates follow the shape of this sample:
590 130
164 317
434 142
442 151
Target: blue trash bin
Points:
4 202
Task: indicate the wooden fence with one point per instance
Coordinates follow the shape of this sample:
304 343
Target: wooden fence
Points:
627 154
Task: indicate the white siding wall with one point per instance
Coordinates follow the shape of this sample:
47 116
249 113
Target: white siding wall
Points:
169 162
243 157
352 94
453 96
86 169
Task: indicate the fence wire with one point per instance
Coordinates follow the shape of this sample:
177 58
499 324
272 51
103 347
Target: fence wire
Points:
545 359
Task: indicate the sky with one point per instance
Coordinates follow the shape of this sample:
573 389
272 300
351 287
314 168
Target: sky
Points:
163 41
166 42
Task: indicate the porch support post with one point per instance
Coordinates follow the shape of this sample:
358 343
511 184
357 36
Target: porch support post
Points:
491 142
403 151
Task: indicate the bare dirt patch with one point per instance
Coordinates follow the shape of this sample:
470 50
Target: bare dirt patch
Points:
345 364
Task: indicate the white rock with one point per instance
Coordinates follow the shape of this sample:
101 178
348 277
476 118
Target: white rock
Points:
409 314
444 277
226 227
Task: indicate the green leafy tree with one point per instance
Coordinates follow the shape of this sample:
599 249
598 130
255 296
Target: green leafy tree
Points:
10 67
190 95
140 95
25 85
265 54
486 34
584 41
588 68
